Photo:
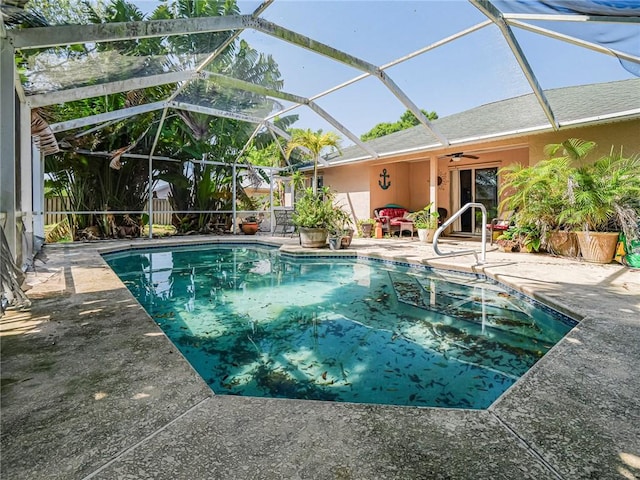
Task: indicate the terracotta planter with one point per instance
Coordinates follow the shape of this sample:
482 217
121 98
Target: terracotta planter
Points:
563 243
366 228
249 228
313 237
597 247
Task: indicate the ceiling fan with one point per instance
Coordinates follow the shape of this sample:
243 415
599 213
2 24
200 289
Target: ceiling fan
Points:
455 157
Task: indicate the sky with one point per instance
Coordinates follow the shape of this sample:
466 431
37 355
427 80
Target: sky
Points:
468 72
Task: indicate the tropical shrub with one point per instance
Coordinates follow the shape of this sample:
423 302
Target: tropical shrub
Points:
566 191
317 210
425 218
604 196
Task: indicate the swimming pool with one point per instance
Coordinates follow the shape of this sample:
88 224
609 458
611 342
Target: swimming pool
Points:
253 321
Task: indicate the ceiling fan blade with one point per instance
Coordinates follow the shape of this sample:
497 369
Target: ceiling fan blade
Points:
459 155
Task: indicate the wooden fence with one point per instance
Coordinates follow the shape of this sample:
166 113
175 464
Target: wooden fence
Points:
57 204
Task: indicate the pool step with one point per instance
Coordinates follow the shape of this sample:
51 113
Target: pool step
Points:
499 314
408 290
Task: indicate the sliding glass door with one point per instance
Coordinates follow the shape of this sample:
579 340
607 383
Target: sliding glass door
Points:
475 185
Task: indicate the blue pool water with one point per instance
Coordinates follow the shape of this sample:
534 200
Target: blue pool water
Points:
254 322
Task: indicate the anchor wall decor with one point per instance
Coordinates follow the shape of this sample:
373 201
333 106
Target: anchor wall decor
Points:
383 183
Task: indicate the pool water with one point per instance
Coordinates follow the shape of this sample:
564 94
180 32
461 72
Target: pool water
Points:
255 322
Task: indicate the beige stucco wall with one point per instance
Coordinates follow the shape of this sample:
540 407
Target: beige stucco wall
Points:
626 134
410 174
398 178
351 184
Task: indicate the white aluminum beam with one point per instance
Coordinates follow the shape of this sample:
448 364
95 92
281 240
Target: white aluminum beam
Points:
43 37
300 40
486 7
279 131
400 95
19 88
91 91
575 41
255 88
8 127
221 48
437 44
409 56
141 156
24 149
214 112
275 139
248 142
323 113
106 117
259 89
305 42
570 18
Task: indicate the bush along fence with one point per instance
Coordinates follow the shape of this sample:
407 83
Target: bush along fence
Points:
57 204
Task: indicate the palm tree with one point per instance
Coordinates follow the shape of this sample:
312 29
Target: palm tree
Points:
314 143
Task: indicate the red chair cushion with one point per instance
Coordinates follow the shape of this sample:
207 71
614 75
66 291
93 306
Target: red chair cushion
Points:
499 226
399 220
392 212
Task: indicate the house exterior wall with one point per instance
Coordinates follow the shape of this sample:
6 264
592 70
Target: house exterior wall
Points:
625 134
409 175
419 179
351 184
398 177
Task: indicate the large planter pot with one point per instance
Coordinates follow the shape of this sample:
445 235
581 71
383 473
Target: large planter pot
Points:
597 247
425 235
313 237
563 243
249 228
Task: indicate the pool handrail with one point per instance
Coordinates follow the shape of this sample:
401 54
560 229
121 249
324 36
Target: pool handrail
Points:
451 220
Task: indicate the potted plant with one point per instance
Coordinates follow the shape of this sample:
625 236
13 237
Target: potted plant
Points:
250 225
537 195
340 229
528 237
426 222
604 199
365 227
509 241
314 214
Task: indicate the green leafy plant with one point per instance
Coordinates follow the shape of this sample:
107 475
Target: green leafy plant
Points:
365 226
315 210
529 237
340 223
509 240
314 143
425 218
537 193
566 191
604 196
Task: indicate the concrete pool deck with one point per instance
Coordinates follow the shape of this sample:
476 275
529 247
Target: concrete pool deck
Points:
91 388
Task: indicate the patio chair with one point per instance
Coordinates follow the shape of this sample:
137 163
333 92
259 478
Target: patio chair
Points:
392 219
284 221
500 224
443 214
